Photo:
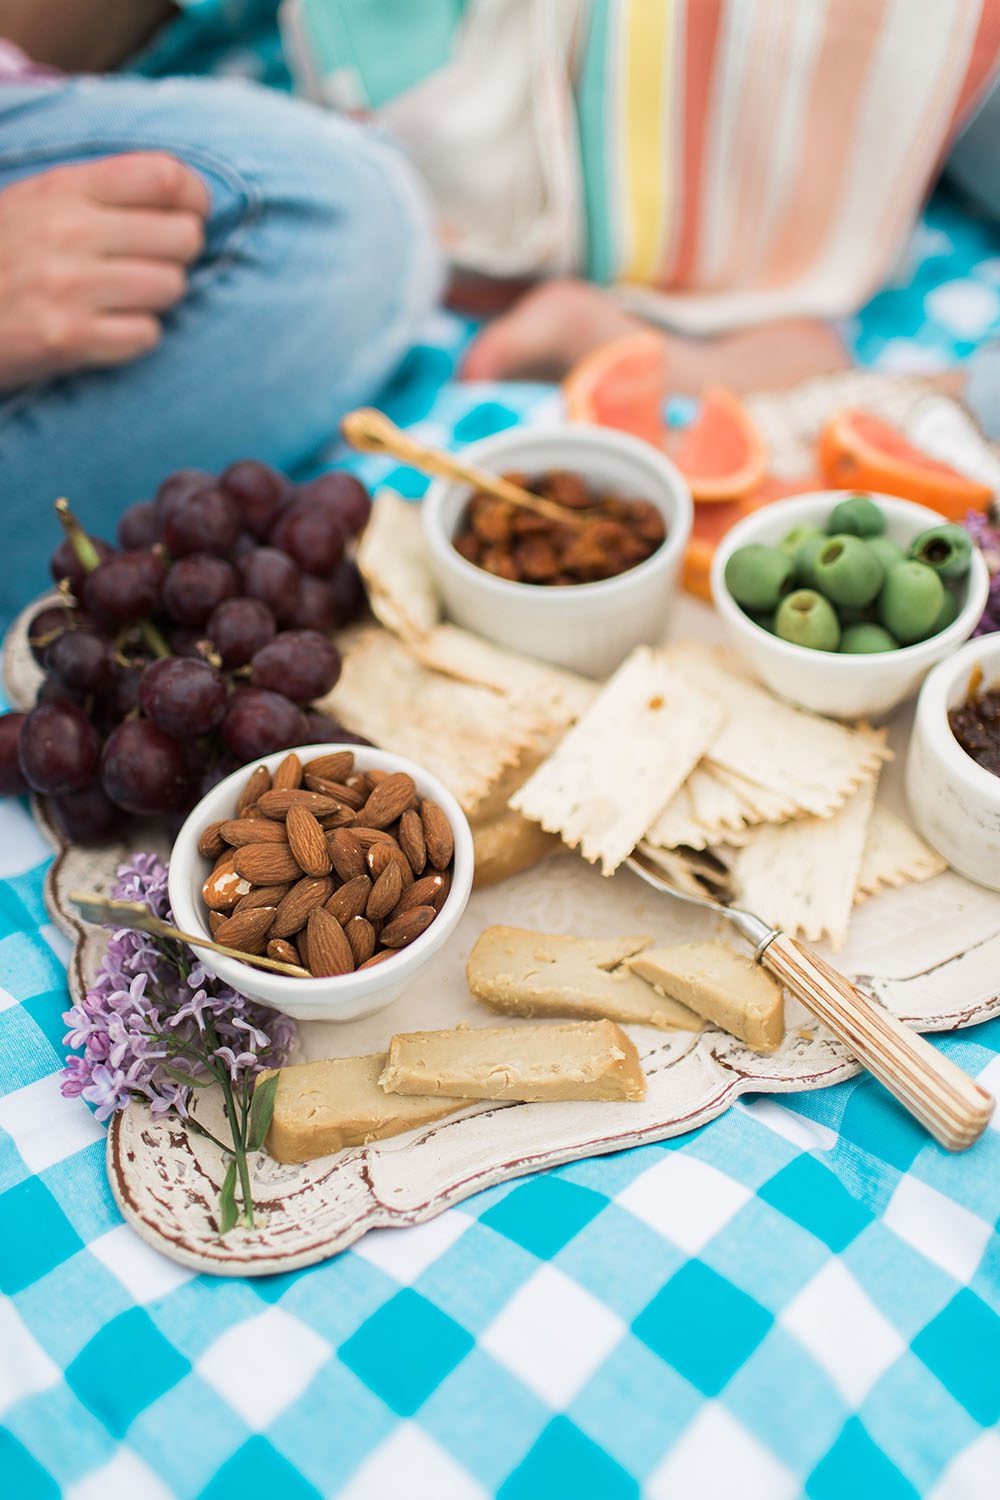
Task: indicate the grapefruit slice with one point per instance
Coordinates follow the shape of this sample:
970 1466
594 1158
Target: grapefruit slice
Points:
859 451
722 454
712 521
622 384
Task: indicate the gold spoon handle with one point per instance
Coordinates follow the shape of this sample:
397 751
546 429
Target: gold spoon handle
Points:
371 431
96 908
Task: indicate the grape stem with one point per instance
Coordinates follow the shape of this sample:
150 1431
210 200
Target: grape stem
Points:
89 558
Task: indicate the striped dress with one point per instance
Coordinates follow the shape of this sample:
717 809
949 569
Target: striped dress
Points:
720 162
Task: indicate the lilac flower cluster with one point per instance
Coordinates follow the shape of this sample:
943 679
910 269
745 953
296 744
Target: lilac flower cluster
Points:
155 1017
986 535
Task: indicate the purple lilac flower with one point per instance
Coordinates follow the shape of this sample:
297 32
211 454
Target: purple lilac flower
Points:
986 535
154 1016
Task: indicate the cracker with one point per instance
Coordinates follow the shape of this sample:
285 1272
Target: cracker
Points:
801 876
789 754
392 560
619 766
465 734
704 810
557 696
894 855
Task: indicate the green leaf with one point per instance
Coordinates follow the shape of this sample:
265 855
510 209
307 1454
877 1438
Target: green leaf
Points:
261 1111
181 1077
228 1214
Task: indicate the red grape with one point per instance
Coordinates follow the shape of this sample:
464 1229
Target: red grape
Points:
302 664
59 748
346 494
258 723
196 584
144 770
259 491
313 534
271 577
202 520
64 562
12 779
184 697
322 730
175 487
125 588
52 690
139 526
315 607
82 660
86 816
47 626
122 697
348 591
239 628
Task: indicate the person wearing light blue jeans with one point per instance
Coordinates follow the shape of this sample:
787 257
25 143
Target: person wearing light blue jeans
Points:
292 266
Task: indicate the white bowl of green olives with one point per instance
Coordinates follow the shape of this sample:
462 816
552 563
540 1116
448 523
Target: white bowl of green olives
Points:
843 602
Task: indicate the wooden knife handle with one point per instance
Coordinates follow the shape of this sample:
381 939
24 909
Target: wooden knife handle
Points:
950 1104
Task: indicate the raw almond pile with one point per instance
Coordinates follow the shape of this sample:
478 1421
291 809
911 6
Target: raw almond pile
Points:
327 867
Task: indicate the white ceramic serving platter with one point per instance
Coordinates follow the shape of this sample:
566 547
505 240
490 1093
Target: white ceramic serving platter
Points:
931 953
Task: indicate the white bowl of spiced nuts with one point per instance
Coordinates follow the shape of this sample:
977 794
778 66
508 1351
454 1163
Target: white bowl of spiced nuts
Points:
579 595
346 862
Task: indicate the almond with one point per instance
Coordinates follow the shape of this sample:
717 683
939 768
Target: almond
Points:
285 953
225 885
380 855
411 840
210 841
302 943
423 892
376 776
302 898
359 782
388 799
276 804
402 930
288 775
347 853
339 819
361 936
378 958
329 951
266 864
438 836
336 766
368 836
385 892
215 921
257 782
348 795
262 895
240 831
307 841
247 930
350 900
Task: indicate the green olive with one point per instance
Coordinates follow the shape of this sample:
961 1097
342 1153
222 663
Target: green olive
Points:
946 549
948 613
795 538
757 576
910 601
888 552
861 640
807 619
858 515
847 571
805 558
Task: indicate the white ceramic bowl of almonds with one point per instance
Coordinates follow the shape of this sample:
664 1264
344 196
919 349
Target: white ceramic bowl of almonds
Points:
340 997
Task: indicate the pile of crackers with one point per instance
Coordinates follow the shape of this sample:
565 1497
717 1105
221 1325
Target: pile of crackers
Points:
680 753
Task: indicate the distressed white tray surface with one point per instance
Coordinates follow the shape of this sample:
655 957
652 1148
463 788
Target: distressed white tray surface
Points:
930 953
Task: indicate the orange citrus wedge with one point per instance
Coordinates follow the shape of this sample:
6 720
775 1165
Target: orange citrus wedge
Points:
722 454
712 521
859 451
622 384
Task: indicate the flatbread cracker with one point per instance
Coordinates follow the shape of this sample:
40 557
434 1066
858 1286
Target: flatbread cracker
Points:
705 810
801 876
619 766
788 753
558 697
392 560
465 734
894 856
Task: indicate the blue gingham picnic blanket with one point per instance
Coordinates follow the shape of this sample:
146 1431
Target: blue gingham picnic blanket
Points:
801 1298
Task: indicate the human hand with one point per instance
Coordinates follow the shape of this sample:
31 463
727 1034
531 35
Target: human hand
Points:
90 255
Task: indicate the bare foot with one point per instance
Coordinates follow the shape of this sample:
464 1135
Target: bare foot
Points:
558 322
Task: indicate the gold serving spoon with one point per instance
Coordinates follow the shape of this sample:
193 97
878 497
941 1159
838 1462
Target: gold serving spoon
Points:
103 909
371 431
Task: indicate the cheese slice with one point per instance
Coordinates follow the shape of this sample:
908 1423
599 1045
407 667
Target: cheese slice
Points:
585 1060
546 974
321 1107
723 986
507 845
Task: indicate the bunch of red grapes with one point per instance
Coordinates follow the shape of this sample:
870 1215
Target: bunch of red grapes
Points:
195 646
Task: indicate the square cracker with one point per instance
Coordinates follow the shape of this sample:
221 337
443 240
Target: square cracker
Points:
392 560
618 767
557 696
894 855
704 810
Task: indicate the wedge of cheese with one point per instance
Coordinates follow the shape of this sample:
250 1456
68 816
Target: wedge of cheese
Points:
508 844
585 1060
527 973
720 984
321 1107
